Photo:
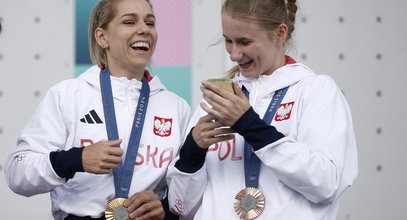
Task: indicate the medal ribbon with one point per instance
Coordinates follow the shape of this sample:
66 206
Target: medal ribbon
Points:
124 173
251 161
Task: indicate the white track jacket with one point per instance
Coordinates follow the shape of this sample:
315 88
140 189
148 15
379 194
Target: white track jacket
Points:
67 118
302 175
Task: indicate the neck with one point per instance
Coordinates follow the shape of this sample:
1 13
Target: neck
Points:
279 63
137 74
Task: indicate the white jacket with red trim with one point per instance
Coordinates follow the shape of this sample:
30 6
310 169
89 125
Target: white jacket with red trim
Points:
302 175
71 115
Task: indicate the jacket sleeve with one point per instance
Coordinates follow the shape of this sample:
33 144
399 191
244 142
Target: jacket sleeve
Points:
184 113
321 161
182 183
28 169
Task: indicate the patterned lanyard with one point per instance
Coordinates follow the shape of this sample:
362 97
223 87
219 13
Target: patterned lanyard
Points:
251 161
124 173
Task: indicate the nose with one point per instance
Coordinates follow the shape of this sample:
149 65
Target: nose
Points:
235 54
143 29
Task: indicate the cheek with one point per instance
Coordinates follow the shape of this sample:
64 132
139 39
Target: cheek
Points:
154 34
228 48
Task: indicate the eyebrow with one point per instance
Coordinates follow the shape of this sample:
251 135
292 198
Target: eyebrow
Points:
238 39
136 15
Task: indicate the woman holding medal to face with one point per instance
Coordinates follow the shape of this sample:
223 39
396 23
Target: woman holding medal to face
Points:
294 151
101 143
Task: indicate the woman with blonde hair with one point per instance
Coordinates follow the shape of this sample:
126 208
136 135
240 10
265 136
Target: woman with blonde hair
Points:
294 151
101 143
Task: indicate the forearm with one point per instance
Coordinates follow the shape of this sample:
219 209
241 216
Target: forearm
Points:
29 173
311 173
192 157
255 131
67 163
181 186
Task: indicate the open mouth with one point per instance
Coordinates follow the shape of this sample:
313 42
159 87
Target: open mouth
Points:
143 46
245 65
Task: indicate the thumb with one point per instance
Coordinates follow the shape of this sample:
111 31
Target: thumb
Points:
114 143
238 90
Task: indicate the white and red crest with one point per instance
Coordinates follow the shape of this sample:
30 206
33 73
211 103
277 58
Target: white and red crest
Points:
162 126
284 111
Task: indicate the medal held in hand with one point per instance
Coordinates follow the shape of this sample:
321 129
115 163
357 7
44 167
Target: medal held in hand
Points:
250 202
116 211
122 175
226 84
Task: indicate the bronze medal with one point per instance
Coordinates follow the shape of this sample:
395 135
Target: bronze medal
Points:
249 203
116 211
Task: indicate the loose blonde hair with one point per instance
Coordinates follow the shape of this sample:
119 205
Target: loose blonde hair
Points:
268 14
102 14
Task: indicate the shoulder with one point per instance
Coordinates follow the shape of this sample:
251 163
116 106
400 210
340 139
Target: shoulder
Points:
88 78
319 89
171 100
163 95
313 80
320 83
75 89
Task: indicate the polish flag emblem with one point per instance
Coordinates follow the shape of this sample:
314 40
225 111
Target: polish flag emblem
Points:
284 111
162 126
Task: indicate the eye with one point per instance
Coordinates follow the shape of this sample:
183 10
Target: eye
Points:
245 42
228 41
150 23
129 22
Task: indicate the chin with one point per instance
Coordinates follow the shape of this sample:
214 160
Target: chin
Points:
141 63
249 74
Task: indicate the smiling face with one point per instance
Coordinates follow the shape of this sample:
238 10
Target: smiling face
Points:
129 38
255 50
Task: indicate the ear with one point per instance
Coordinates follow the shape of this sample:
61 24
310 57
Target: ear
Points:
281 31
101 38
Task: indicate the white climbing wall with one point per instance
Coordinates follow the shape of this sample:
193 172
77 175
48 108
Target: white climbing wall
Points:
36 51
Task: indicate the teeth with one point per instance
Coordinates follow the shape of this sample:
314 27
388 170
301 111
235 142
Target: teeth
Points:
141 44
245 63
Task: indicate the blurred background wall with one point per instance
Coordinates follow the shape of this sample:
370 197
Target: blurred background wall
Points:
361 44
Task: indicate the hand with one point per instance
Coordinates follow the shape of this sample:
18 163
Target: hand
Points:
145 205
209 131
226 107
102 157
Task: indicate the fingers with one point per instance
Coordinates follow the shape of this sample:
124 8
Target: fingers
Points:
145 205
102 157
209 131
140 198
215 89
112 143
149 210
213 93
223 105
211 122
206 139
238 90
114 149
209 110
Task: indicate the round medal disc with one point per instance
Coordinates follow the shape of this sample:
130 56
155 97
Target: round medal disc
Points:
116 211
249 203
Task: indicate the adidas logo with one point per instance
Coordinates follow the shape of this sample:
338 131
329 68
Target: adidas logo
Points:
92 118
